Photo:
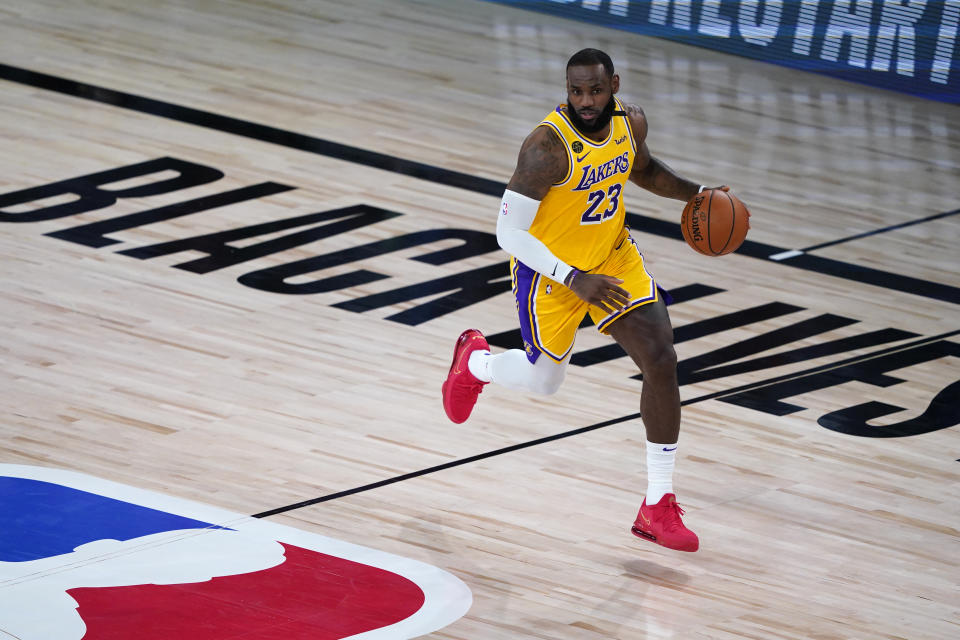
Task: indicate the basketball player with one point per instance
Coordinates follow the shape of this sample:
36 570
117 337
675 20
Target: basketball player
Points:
562 219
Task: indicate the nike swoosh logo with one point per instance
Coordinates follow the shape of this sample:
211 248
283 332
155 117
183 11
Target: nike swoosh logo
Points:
665 449
457 369
645 518
580 158
554 269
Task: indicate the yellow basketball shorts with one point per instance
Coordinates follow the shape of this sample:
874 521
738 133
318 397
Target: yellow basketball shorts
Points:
550 313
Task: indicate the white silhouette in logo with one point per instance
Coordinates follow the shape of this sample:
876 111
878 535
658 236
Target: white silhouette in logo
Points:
34 604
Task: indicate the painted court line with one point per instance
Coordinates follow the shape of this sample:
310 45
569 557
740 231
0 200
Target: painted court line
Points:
606 423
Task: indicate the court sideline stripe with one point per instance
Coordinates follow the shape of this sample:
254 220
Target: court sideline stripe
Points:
881 230
247 129
347 153
606 423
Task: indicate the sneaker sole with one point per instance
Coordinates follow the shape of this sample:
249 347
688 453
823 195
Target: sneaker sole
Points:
443 387
447 409
640 533
643 535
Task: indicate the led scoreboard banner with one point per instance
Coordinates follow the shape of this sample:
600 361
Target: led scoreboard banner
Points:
905 45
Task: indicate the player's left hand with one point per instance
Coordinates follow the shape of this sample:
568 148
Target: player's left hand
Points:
601 291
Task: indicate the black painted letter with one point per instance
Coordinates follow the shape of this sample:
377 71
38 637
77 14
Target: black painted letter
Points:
90 195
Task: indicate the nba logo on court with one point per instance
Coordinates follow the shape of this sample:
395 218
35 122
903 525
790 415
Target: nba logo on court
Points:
82 557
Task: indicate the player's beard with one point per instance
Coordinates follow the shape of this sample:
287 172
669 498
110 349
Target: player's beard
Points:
598 124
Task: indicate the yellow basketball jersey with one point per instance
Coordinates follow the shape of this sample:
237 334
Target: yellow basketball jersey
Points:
581 216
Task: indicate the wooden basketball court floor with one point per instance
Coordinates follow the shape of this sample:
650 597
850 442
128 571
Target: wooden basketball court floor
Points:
185 350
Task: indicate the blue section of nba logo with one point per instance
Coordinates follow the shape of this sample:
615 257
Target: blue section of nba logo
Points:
41 519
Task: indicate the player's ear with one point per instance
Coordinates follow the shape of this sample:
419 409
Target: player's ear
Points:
615 82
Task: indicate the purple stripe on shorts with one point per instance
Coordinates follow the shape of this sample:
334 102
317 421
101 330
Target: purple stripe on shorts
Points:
633 305
665 296
525 280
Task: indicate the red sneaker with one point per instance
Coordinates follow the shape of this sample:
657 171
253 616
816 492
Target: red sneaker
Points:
661 524
461 388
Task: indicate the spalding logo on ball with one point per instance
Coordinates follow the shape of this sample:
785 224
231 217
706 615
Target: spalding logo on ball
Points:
715 222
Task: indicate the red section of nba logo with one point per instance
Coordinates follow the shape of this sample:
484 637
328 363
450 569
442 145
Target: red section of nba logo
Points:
310 595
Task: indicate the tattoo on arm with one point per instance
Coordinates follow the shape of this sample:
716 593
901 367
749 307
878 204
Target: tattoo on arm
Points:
650 172
657 177
543 161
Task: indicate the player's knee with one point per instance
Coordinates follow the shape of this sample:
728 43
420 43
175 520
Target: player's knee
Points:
547 385
666 355
660 358
652 342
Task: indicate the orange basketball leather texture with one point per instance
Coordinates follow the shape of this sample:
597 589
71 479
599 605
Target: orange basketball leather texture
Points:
715 222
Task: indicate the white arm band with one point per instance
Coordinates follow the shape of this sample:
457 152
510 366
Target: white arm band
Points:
517 212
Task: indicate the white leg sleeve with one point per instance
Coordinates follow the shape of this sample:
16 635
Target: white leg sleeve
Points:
512 370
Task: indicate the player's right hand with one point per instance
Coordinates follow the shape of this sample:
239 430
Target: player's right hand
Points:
601 291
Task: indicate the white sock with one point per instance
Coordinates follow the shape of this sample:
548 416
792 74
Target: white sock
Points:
660 459
479 365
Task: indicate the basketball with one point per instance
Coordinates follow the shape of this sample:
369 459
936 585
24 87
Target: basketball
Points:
715 222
